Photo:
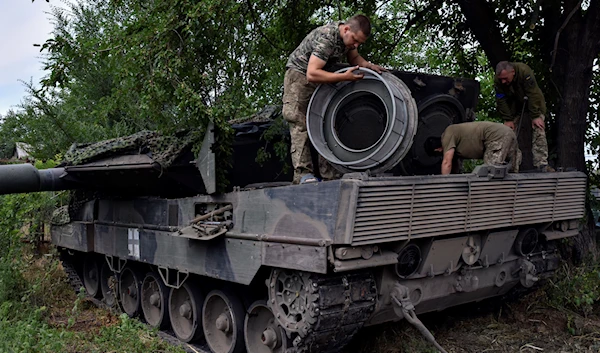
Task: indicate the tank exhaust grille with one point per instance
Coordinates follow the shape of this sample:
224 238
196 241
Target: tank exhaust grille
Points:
391 211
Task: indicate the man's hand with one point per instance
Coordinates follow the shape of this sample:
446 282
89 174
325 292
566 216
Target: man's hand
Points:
538 122
349 75
376 68
510 124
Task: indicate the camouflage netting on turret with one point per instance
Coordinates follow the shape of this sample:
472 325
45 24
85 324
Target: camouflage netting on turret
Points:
267 114
60 216
164 149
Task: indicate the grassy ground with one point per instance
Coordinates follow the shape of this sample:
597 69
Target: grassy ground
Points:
40 313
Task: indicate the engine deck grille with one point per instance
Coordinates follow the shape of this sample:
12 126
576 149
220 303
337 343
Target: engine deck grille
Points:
396 212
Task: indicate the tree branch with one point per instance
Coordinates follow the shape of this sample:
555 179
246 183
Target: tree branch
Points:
254 19
482 21
577 7
536 14
418 17
593 21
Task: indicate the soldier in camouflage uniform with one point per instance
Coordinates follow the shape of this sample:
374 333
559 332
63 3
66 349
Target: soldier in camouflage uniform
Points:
494 142
513 82
306 68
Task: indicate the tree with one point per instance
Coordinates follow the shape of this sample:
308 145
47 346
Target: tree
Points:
561 40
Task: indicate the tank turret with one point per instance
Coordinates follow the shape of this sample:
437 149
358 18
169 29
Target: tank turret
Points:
378 125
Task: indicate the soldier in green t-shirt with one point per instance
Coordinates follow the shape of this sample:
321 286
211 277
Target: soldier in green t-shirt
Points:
514 82
495 143
306 67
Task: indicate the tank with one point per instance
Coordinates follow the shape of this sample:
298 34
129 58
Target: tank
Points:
267 266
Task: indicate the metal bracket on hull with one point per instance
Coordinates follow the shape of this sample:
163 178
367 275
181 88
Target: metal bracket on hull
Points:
114 263
172 278
528 272
491 171
202 229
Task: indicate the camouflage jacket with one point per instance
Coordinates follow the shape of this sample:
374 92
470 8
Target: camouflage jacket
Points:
323 42
509 98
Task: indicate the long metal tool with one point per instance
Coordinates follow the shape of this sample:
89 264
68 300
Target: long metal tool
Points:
525 101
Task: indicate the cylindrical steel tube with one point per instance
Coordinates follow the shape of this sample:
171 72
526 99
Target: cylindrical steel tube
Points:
363 125
22 178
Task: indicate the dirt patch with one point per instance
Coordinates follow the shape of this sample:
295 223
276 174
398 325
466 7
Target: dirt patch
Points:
495 326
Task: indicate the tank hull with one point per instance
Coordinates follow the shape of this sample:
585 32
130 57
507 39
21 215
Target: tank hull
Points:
467 238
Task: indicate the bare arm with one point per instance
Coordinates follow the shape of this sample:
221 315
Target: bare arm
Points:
316 74
355 59
447 161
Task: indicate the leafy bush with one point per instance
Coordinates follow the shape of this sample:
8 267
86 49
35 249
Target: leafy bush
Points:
576 288
22 329
12 284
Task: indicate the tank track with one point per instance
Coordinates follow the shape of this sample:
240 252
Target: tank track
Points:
72 275
341 306
166 335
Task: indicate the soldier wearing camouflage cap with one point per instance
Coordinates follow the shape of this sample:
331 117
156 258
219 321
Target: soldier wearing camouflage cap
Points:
306 67
495 143
514 82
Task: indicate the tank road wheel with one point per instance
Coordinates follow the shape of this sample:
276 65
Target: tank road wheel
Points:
185 312
261 331
129 291
108 285
91 276
223 322
155 302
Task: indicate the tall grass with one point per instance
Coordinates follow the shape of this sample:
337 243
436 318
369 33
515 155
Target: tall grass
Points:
38 310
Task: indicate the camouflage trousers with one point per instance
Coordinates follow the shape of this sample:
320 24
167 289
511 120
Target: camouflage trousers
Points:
296 96
497 152
539 144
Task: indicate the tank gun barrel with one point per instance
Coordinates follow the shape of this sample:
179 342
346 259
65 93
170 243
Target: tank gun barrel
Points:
22 178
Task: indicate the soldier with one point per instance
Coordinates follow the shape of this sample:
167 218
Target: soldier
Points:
306 65
493 142
514 82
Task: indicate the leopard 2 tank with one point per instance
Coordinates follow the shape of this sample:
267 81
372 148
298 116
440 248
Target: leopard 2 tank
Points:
268 266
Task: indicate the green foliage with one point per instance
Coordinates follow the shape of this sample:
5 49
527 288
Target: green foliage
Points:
576 288
45 164
22 329
277 140
7 148
30 285
592 131
11 282
129 335
120 67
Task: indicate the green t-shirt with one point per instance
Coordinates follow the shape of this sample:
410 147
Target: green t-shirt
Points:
468 139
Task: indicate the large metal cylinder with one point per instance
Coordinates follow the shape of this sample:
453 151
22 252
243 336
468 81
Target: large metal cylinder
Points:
21 178
363 125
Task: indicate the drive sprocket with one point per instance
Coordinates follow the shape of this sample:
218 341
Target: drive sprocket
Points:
293 297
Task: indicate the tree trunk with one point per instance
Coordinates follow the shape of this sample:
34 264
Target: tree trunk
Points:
482 21
571 65
574 57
